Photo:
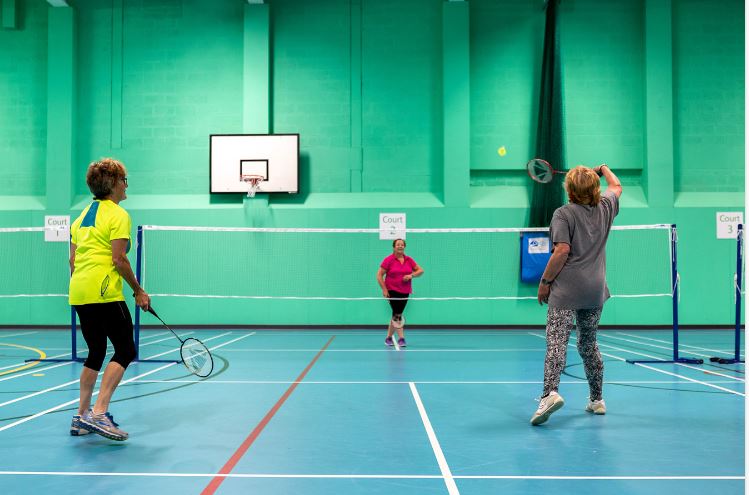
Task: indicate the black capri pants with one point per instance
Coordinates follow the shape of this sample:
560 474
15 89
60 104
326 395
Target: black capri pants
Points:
103 321
398 305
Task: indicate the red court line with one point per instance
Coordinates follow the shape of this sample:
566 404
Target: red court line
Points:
234 459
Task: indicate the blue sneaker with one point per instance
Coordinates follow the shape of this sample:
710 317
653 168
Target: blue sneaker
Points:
389 341
102 424
75 426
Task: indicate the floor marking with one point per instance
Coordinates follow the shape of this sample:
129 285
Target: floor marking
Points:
371 476
411 349
707 384
242 449
730 353
26 366
452 488
74 401
731 377
22 334
426 382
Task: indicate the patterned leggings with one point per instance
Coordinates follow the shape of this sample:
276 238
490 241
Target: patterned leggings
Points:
559 324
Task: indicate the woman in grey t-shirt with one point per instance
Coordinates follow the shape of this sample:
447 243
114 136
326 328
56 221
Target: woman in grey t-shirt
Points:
574 282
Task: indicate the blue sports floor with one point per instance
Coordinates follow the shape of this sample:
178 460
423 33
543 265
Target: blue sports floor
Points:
336 412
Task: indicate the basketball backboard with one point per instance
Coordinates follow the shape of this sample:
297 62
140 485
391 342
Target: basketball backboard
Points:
273 156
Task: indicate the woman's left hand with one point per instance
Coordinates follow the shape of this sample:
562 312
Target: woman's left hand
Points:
543 293
407 278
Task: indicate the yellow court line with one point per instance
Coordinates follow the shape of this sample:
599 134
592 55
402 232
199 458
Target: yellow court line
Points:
41 353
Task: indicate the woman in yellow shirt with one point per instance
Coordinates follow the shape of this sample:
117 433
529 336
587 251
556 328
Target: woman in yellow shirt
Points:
100 240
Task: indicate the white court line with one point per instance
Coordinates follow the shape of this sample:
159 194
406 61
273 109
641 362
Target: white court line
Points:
730 353
3 336
312 382
271 349
452 488
668 372
60 406
16 365
707 384
68 363
72 382
370 476
731 377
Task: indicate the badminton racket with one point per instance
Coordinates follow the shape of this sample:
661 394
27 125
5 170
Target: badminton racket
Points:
195 355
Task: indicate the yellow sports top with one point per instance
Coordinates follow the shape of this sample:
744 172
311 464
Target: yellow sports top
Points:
95 278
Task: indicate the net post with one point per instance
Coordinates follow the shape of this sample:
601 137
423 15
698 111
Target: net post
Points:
739 284
675 294
138 269
674 309
73 344
139 277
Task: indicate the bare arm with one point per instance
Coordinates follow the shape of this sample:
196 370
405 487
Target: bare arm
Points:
418 272
381 281
553 267
122 264
612 180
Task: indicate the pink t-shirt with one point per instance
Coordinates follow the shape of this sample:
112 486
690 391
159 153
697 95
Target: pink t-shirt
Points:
395 271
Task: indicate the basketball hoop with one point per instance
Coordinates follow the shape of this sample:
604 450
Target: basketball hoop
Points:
253 183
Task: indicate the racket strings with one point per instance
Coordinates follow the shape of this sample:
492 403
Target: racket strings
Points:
196 357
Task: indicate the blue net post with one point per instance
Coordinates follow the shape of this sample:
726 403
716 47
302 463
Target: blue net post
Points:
675 293
74 334
737 295
138 275
138 269
73 343
739 284
674 310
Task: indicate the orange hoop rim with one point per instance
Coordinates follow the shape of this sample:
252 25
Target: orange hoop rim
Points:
251 178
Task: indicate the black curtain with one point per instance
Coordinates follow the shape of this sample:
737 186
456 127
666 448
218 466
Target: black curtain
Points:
550 132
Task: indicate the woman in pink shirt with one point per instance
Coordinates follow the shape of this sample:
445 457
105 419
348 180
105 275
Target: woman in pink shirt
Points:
398 270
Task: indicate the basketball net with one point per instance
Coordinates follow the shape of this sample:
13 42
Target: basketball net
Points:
253 183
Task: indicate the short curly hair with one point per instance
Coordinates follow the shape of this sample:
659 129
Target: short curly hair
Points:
102 175
583 186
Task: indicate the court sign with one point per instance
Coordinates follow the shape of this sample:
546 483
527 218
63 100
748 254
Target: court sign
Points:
392 226
727 223
57 228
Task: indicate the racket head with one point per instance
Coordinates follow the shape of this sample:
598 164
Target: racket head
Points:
196 357
540 170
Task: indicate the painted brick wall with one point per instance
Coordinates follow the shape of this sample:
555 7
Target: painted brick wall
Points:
311 85
402 95
23 102
182 77
709 95
604 82
506 47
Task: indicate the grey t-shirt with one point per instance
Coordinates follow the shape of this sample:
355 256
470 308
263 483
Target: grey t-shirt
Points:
582 282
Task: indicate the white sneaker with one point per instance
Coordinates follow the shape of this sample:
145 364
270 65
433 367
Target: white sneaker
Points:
549 404
596 406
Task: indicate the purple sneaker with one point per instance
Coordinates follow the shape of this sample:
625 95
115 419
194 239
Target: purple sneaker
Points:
389 341
402 342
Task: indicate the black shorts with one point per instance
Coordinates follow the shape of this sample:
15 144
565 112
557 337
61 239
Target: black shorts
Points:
399 305
103 321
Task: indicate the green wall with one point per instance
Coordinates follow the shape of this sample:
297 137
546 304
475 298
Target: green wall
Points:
400 105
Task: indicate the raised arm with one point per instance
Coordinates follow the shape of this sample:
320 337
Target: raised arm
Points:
612 181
